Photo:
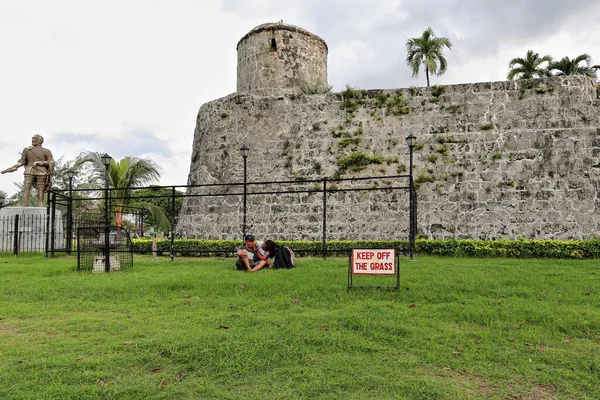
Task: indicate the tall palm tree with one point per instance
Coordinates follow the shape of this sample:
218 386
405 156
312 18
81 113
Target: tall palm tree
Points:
427 50
123 176
566 66
528 67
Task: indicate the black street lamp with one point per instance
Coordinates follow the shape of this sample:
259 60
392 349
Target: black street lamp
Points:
410 141
70 174
106 159
244 151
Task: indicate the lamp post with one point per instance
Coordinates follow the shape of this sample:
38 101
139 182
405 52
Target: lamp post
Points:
410 141
244 151
106 159
70 174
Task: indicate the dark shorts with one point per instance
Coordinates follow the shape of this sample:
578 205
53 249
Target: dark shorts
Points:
240 265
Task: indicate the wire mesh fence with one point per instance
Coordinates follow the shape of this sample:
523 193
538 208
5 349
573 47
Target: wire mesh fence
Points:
103 249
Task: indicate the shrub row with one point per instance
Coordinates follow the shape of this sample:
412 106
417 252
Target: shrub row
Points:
521 248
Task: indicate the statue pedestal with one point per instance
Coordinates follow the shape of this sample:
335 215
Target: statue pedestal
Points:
28 225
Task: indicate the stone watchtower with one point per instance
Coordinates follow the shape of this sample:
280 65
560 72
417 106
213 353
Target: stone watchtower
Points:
276 57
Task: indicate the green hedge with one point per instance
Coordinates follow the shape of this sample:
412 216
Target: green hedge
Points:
450 247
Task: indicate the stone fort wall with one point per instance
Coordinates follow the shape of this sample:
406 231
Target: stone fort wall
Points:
276 56
493 160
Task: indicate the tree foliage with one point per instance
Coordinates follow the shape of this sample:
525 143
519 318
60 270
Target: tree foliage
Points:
567 66
124 176
160 197
532 66
427 50
528 67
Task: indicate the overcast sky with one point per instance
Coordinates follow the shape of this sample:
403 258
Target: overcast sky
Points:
127 77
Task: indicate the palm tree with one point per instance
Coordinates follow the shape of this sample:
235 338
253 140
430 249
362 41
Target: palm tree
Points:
528 67
427 50
566 66
123 176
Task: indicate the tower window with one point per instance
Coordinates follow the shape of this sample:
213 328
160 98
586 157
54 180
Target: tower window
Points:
273 45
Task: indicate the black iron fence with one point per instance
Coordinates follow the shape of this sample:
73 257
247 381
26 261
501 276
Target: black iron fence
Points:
101 207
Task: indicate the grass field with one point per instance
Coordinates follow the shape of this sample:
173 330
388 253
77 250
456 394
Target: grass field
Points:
197 329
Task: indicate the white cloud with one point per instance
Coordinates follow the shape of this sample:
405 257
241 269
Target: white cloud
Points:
128 77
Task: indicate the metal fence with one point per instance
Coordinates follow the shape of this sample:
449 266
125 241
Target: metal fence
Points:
103 249
86 210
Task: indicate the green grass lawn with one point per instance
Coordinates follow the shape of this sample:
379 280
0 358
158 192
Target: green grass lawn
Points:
458 328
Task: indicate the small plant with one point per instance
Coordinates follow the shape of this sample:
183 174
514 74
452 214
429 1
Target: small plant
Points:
419 146
447 139
381 99
316 89
349 141
224 115
316 186
438 90
489 189
487 126
357 161
414 91
432 158
393 142
587 160
423 177
300 178
401 169
352 99
497 155
397 105
443 150
440 129
358 131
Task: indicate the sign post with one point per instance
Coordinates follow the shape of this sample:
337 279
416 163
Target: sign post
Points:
382 262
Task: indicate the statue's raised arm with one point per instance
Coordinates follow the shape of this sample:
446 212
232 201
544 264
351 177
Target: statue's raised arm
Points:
39 166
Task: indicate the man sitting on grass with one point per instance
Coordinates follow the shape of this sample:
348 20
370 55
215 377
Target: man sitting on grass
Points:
249 258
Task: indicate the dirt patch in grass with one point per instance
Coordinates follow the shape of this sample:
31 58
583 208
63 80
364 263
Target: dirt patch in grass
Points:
9 329
538 392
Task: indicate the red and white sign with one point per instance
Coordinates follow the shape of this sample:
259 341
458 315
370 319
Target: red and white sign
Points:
374 261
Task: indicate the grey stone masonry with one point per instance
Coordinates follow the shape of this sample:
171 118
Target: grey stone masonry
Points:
277 57
493 160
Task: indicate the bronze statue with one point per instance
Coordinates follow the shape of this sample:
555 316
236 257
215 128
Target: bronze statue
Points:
39 166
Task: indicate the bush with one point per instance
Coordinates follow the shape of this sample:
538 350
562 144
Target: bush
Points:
522 248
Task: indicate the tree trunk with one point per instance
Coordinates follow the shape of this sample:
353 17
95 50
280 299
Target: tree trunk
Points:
427 75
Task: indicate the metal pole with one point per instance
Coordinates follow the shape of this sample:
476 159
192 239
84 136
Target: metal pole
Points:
245 194
53 226
106 223
47 244
411 237
70 218
172 233
16 237
325 218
